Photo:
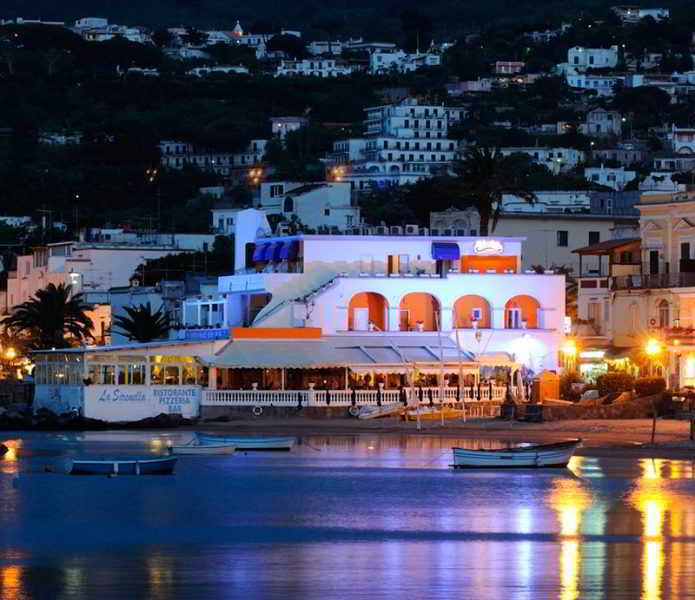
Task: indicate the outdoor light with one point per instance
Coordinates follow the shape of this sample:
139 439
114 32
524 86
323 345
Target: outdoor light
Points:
653 347
570 348
10 353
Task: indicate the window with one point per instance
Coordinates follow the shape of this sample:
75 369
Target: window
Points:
663 314
326 212
288 205
513 318
594 237
477 315
685 250
562 239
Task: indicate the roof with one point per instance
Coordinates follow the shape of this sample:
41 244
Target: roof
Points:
607 246
337 351
129 347
305 189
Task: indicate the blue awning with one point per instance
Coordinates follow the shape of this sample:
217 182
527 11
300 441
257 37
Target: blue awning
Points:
276 251
445 251
290 250
261 252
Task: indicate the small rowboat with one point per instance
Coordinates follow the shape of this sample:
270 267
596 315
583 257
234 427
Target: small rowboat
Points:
204 449
542 455
373 412
249 443
123 466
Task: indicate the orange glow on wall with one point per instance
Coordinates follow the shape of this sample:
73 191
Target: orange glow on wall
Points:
376 305
419 307
484 263
529 310
270 333
463 311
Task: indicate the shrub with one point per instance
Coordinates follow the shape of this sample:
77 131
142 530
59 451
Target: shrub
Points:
566 381
646 386
615 383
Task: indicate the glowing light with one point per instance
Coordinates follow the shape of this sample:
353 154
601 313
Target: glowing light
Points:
570 348
10 353
10 577
653 347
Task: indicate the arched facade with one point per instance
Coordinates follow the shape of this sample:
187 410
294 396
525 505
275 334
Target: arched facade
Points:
519 309
470 307
366 308
419 311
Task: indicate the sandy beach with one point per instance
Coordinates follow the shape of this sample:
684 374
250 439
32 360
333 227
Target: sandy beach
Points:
615 438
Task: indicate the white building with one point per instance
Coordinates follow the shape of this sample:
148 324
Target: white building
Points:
549 201
614 178
319 48
579 57
682 139
281 126
387 61
555 159
315 67
633 14
93 29
323 205
226 69
661 182
600 122
177 154
245 224
404 142
603 85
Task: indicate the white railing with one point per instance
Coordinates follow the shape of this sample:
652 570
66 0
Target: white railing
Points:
345 397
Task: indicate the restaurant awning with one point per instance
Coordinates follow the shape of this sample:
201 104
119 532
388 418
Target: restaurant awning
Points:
276 251
336 351
445 251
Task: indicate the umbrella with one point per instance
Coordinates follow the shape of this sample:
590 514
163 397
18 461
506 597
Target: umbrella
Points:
472 391
419 394
353 397
328 397
458 393
378 396
489 391
429 396
299 400
479 391
404 399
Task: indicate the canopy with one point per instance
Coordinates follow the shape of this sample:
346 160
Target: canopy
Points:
335 351
445 251
276 252
289 250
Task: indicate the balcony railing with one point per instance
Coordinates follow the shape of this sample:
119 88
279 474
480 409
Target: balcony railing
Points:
344 397
660 280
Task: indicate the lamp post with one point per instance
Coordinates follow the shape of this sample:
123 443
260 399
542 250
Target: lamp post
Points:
569 350
652 349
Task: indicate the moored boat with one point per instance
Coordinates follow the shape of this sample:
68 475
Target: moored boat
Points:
203 449
249 443
123 466
541 455
373 411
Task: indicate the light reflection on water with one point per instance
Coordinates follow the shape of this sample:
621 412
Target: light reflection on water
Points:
344 516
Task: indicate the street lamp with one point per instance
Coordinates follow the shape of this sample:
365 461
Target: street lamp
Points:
653 348
569 350
255 175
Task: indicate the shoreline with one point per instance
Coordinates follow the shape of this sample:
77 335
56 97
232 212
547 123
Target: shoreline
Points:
628 438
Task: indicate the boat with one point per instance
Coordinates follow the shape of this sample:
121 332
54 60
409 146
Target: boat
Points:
373 411
249 443
160 465
540 455
433 413
196 448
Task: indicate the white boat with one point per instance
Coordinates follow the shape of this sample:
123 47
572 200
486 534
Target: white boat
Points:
542 455
161 465
249 443
373 411
196 448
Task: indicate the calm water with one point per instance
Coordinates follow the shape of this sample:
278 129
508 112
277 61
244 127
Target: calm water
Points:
343 517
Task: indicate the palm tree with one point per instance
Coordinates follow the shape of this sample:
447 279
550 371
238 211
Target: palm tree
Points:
484 176
51 318
142 325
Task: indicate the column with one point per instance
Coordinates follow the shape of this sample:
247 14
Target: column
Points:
447 323
498 318
212 378
394 318
341 318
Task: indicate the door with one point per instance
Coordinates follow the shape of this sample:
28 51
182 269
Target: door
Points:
685 250
653 262
361 319
513 318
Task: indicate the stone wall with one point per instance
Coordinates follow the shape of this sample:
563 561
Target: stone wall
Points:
638 408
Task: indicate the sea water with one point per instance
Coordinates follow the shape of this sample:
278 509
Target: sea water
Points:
357 517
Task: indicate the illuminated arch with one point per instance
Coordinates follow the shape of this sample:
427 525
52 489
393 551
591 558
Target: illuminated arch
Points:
466 306
419 310
376 305
521 308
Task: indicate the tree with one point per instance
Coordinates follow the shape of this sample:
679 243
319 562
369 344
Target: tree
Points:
162 37
290 44
52 318
142 325
484 176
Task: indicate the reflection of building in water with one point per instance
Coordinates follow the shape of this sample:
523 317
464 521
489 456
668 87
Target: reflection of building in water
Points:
10 582
9 462
160 575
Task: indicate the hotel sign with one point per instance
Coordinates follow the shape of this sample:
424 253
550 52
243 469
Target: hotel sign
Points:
488 247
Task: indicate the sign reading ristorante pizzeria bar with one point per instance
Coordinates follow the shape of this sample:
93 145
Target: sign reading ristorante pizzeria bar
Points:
488 247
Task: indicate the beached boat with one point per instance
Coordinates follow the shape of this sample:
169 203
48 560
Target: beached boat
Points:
161 465
373 411
249 443
196 448
430 413
542 455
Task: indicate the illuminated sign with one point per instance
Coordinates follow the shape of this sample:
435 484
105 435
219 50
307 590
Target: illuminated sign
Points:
487 247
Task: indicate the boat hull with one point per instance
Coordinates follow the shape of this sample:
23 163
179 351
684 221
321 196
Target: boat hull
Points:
374 412
551 455
126 466
203 449
249 443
